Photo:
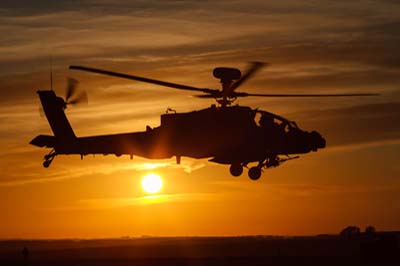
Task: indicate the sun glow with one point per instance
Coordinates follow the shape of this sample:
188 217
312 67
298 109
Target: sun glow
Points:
152 183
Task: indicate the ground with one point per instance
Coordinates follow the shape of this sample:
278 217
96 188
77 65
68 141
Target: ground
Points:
254 250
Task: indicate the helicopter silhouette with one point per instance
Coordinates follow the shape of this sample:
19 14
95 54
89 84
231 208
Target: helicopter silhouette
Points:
225 133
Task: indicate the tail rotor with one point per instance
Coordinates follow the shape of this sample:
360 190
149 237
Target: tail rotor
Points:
74 95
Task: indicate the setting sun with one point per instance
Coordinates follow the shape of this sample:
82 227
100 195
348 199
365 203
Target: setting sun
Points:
151 183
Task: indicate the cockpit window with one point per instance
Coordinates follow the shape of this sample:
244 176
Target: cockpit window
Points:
266 119
257 118
271 121
293 124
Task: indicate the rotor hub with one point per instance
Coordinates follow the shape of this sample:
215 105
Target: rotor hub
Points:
226 74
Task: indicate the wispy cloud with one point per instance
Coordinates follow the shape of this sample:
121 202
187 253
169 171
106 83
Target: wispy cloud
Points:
303 189
365 145
311 190
354 125
111 203
20 179
26 177
287 33
188 165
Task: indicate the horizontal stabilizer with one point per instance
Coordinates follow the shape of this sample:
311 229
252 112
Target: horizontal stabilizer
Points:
44 141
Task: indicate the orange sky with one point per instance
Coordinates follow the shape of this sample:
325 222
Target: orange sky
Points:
321 47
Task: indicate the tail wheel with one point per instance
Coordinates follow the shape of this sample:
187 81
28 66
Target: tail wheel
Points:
46 163
236 169
48 158
254 173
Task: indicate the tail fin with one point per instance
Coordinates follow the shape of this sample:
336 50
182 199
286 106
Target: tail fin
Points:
53 107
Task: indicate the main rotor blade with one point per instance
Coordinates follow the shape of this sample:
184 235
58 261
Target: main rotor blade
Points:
244 94
207 96
255 66
142 79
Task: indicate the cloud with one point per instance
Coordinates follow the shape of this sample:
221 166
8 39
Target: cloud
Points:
187 165
354 124
364 145
320 47
20 179
301 189
329 47
25 175
111 203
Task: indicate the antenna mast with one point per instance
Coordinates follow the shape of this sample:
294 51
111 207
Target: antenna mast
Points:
51 72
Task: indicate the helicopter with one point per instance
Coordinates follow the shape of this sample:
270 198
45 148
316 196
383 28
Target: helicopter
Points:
224 133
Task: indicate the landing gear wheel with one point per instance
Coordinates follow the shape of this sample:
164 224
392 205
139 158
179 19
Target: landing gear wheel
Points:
254 173
236 169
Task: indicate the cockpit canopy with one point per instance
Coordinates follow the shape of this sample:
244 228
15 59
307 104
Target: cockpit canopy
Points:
266 119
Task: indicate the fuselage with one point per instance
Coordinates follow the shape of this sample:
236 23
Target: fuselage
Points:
227 135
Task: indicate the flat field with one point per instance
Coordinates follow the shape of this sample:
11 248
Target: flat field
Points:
246 250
